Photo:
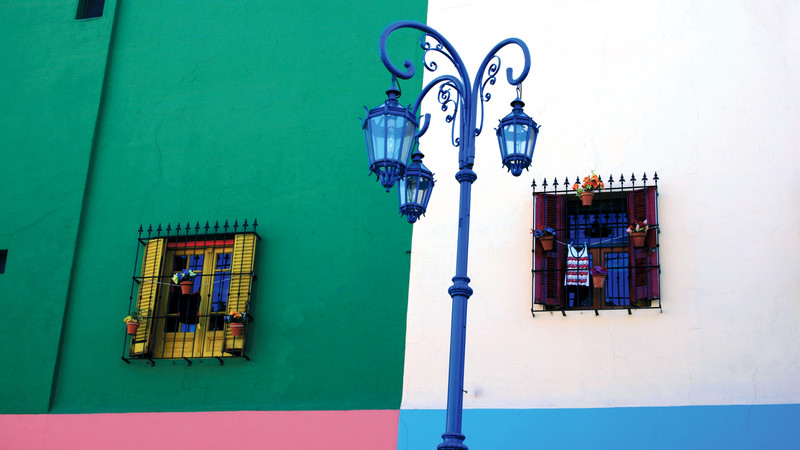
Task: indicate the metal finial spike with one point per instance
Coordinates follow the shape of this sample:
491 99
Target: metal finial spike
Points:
533 185
555 183
178 228
566 182
140 229
169 228
158 230
225 227
655 177
622 178
577 180
644 178
610 179
216 226
206 227
197 227
544 184
150 229
188 226
235 225
633 178
255 224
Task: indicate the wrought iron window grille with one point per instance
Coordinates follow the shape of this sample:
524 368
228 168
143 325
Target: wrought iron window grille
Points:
633 280
192 326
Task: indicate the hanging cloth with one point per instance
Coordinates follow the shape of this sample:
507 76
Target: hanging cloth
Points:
577 267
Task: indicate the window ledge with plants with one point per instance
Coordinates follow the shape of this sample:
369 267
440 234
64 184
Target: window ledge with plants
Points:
595 245
191 293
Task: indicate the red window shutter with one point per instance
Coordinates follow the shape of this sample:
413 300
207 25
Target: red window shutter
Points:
548 266
641 274
644 271
551 279
639 205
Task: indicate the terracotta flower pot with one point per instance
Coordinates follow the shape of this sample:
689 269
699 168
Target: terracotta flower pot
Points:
586 198
638 238
237 329
186 287
132 327
547 242
599 281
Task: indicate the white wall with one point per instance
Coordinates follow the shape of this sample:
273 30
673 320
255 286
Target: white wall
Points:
704 93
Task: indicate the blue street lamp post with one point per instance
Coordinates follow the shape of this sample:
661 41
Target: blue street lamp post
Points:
391 132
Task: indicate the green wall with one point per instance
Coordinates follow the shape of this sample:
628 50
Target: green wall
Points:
51 77
209 111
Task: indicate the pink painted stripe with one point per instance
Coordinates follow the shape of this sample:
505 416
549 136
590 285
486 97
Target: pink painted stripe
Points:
277 430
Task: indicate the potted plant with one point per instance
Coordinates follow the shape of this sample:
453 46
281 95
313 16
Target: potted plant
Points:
185 279
132 321
546 237
235 321
599 275
638 231
585 191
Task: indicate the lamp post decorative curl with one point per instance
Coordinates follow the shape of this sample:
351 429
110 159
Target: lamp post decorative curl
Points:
392 131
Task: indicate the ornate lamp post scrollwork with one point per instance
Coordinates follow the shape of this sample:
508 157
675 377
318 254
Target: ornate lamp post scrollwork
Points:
390 131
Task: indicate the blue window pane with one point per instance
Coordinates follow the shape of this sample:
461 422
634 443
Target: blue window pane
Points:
600 226
617 288
223 261
219 298
196 263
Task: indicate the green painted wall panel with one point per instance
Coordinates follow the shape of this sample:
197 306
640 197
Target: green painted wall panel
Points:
242 110
50 83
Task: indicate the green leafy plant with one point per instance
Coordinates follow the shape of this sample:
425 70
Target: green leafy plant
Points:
135 316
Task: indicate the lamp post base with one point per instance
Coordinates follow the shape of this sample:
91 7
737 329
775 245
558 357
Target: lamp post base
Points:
452 441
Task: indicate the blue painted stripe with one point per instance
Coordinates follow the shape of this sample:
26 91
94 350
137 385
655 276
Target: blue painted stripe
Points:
679 427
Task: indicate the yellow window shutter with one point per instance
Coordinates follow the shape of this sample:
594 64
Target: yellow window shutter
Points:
244 249
148 293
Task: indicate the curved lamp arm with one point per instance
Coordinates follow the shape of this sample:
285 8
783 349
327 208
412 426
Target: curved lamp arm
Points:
444 81
443 47
494 67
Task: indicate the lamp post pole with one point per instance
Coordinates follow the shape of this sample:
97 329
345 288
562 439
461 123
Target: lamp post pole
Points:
391 133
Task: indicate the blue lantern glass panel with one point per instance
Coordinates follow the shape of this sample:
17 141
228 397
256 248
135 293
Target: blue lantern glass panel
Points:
391 137
415 190
389 133
377 133
516 136
408 140
516 139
